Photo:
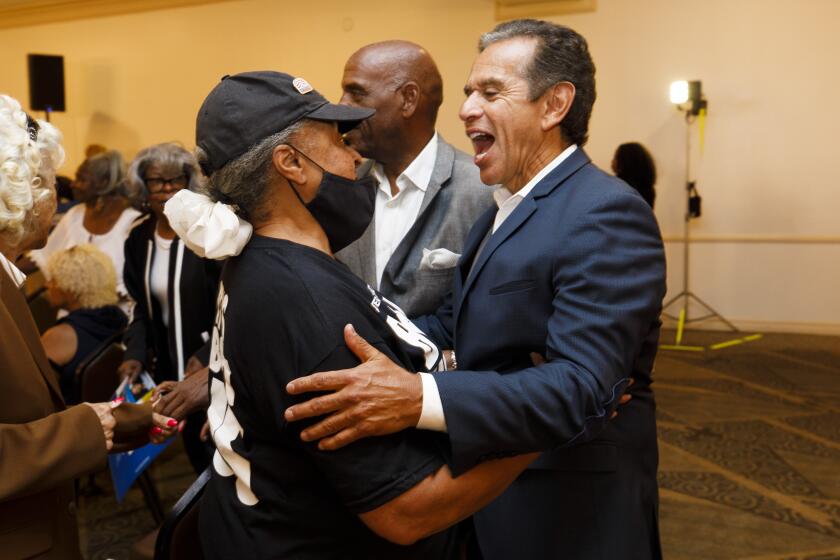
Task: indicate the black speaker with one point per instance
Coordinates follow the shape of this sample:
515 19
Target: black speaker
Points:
46 82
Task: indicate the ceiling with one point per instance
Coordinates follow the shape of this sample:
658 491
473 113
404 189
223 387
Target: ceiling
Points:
22 13
510 9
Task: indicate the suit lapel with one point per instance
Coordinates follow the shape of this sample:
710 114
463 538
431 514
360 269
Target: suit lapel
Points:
367 254
364 247
440 174
18 308
577 160
471 245
440 177
519 216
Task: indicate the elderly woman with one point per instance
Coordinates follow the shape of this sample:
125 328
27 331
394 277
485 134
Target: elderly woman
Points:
273 148
104 217
44 444
174 289
82 281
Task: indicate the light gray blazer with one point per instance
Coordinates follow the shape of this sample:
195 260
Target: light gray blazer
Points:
453 201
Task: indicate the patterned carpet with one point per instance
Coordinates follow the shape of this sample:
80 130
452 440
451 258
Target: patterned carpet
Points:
749 456
107 529
749 441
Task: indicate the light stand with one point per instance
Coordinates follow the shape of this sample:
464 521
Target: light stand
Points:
681 94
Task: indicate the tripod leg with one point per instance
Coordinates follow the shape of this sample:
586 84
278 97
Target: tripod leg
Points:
672 300
716 314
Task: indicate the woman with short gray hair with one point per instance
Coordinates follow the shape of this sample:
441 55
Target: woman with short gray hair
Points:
174 288
103 219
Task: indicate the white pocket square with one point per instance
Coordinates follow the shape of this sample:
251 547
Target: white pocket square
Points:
438 259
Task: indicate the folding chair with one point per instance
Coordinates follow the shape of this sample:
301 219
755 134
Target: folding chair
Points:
178 537
43 313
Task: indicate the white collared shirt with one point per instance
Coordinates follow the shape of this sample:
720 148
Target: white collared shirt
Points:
394 215
507 201
14 272
431 413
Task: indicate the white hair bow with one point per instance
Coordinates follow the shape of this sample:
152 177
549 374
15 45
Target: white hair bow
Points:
210 229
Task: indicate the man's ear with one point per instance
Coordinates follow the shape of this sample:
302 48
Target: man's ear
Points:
410 92
288 163
557 102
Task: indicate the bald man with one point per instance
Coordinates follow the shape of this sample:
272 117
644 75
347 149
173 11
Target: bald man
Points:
429 193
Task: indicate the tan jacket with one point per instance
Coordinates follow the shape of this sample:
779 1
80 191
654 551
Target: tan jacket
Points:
43 444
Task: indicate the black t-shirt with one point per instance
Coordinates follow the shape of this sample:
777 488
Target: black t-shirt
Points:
281 312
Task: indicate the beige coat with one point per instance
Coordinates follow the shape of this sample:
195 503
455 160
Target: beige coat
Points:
43 444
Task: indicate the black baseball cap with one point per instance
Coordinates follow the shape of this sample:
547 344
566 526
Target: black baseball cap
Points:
243 109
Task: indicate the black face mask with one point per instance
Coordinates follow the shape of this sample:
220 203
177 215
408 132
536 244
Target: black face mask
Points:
343 207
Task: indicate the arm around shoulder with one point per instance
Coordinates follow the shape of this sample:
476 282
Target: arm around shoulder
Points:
607 293
440 500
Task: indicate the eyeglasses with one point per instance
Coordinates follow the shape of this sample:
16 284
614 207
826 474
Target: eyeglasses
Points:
155 184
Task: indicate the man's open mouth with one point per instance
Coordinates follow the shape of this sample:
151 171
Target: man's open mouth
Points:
482 142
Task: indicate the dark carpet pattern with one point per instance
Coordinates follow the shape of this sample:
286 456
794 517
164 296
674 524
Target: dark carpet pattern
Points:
107 529
750 448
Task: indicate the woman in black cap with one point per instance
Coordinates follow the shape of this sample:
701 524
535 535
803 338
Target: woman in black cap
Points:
272 148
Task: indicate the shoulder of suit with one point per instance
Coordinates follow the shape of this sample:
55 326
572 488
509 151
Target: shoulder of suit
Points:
593 189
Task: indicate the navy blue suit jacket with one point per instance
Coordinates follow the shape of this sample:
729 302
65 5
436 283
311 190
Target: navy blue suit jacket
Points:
576 273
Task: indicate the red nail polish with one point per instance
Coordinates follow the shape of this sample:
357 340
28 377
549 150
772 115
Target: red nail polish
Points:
119 399
156 431
181 426
171 422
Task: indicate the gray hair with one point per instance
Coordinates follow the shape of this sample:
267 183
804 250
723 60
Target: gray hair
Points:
561 55
244 181
106 174
170 157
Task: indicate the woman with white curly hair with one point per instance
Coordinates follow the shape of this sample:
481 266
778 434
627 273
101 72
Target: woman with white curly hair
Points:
44 444
82 281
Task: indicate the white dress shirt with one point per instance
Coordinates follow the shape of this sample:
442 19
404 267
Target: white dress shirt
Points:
394 215
431 414
14 272
159 282
71 231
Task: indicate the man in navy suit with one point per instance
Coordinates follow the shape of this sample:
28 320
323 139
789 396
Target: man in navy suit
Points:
570 265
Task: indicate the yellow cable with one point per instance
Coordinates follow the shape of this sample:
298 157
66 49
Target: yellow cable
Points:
680 325
681 347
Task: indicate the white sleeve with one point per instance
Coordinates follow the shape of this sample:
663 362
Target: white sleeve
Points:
431 415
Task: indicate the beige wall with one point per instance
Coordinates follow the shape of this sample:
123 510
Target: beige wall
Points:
138 79
768 69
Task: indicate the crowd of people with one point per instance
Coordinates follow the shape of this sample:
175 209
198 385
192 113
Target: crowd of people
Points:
379 345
